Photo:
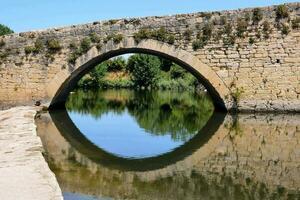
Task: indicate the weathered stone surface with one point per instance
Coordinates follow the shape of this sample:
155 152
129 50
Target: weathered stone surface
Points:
24 174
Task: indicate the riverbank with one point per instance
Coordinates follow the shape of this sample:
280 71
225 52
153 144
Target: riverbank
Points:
24 173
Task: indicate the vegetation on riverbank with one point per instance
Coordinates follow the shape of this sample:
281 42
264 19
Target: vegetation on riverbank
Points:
4 30
139 71
179 113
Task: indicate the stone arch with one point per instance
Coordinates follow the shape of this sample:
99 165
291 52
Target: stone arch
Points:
59 87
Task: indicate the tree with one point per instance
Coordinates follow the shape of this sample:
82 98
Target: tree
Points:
116 64
4 30
144 69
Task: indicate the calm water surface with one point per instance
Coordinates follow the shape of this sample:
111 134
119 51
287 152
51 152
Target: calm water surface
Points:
125 144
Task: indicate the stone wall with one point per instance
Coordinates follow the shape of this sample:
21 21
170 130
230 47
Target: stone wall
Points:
257 61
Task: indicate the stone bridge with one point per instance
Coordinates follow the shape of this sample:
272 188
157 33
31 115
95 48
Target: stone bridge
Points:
247 59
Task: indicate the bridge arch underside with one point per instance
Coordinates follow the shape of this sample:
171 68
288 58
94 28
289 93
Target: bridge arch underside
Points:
66 81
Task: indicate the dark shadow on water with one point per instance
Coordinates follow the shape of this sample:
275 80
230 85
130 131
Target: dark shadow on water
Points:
78 141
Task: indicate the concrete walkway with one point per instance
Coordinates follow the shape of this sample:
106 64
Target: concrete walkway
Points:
24 173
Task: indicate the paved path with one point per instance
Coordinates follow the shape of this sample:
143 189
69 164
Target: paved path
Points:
24 174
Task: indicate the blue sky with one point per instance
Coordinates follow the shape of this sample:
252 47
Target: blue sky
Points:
25 15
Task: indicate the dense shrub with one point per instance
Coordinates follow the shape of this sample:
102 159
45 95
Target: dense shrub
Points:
53 45
161 35
285 29
228 29
207 30
177 72
257 15
142 34
85 45
199 43
165 64
282 11
229 40
251 40
37 48
4 30
116 64
241 28
95 38
144 69
117 38
266 29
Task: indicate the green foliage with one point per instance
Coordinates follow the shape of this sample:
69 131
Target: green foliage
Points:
257 15
53 45
85 45
241 28
140 71
228 29
95 38
141 35
266 29
181 114
236 94
29 49
4 30
199 44
117 38
72 57
122 83
251 40
116 64
177 72
296 23
171 39
161 35
110 22
144 69
207 31
282 11
229 40
37 48
165 64
99 72
285 29
203 36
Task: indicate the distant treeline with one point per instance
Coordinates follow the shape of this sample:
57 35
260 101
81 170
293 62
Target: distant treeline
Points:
139 71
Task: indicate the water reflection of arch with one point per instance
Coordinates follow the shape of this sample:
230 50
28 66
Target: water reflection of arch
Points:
73 135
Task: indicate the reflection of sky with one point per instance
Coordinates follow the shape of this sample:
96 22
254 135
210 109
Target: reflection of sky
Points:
75 196
121 135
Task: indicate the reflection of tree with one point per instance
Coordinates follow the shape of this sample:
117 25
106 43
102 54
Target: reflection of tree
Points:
180 114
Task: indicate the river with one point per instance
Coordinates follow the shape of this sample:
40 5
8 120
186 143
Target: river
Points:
127 144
